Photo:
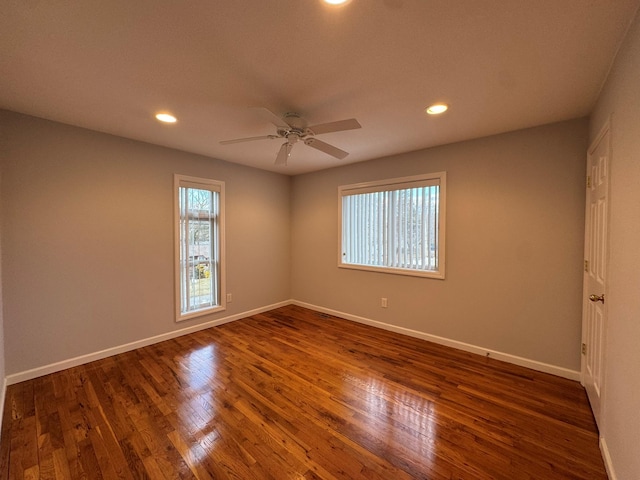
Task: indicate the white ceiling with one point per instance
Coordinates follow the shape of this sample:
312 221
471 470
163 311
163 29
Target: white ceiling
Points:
502 65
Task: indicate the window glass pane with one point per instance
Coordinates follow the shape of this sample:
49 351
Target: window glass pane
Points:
198 248
387 227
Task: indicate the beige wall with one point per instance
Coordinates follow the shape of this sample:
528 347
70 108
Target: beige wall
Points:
88 239
515 223
88 242
620 101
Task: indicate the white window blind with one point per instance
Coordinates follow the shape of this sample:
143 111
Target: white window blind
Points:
199 251
395 225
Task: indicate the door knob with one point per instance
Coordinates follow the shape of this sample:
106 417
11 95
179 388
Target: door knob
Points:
596 298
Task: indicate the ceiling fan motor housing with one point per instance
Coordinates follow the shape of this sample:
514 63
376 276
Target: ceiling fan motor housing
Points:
295 121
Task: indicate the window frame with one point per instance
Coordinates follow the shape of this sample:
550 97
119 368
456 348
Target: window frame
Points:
203 184
439 178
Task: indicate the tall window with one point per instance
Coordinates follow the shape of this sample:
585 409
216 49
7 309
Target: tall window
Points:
394 226
199 207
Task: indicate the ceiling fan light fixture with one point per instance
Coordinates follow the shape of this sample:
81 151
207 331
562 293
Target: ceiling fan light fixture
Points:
437 108
166 118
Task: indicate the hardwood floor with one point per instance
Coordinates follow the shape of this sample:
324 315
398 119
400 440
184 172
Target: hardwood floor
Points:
296 394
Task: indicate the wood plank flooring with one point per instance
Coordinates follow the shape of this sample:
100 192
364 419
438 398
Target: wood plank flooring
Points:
296 394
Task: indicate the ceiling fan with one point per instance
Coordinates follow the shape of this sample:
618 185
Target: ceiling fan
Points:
293 128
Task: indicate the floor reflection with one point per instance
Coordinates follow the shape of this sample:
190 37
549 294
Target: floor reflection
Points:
201 365
394 412
198 410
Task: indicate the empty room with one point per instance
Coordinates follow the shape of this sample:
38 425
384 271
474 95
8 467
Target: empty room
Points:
320 239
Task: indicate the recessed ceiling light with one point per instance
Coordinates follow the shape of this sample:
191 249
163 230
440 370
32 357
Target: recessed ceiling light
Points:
166 118
336 2
437 108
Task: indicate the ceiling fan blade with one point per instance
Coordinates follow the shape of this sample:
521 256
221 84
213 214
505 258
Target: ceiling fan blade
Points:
326 148
271 117
283 153
248 139
340 125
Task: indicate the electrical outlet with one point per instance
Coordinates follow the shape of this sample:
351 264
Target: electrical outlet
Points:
383 302
229 298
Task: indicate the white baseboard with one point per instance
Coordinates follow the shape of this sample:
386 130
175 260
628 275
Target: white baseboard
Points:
3 395
523 362
74 362
608 464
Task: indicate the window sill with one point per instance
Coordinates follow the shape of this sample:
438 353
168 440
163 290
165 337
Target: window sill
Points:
439 275
200 313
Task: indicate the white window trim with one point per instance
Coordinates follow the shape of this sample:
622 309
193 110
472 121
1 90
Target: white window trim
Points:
206 184
438 178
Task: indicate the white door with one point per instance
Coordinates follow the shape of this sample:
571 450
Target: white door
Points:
594 316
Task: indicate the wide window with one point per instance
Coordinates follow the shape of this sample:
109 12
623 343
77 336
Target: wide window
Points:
199 237
394 226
